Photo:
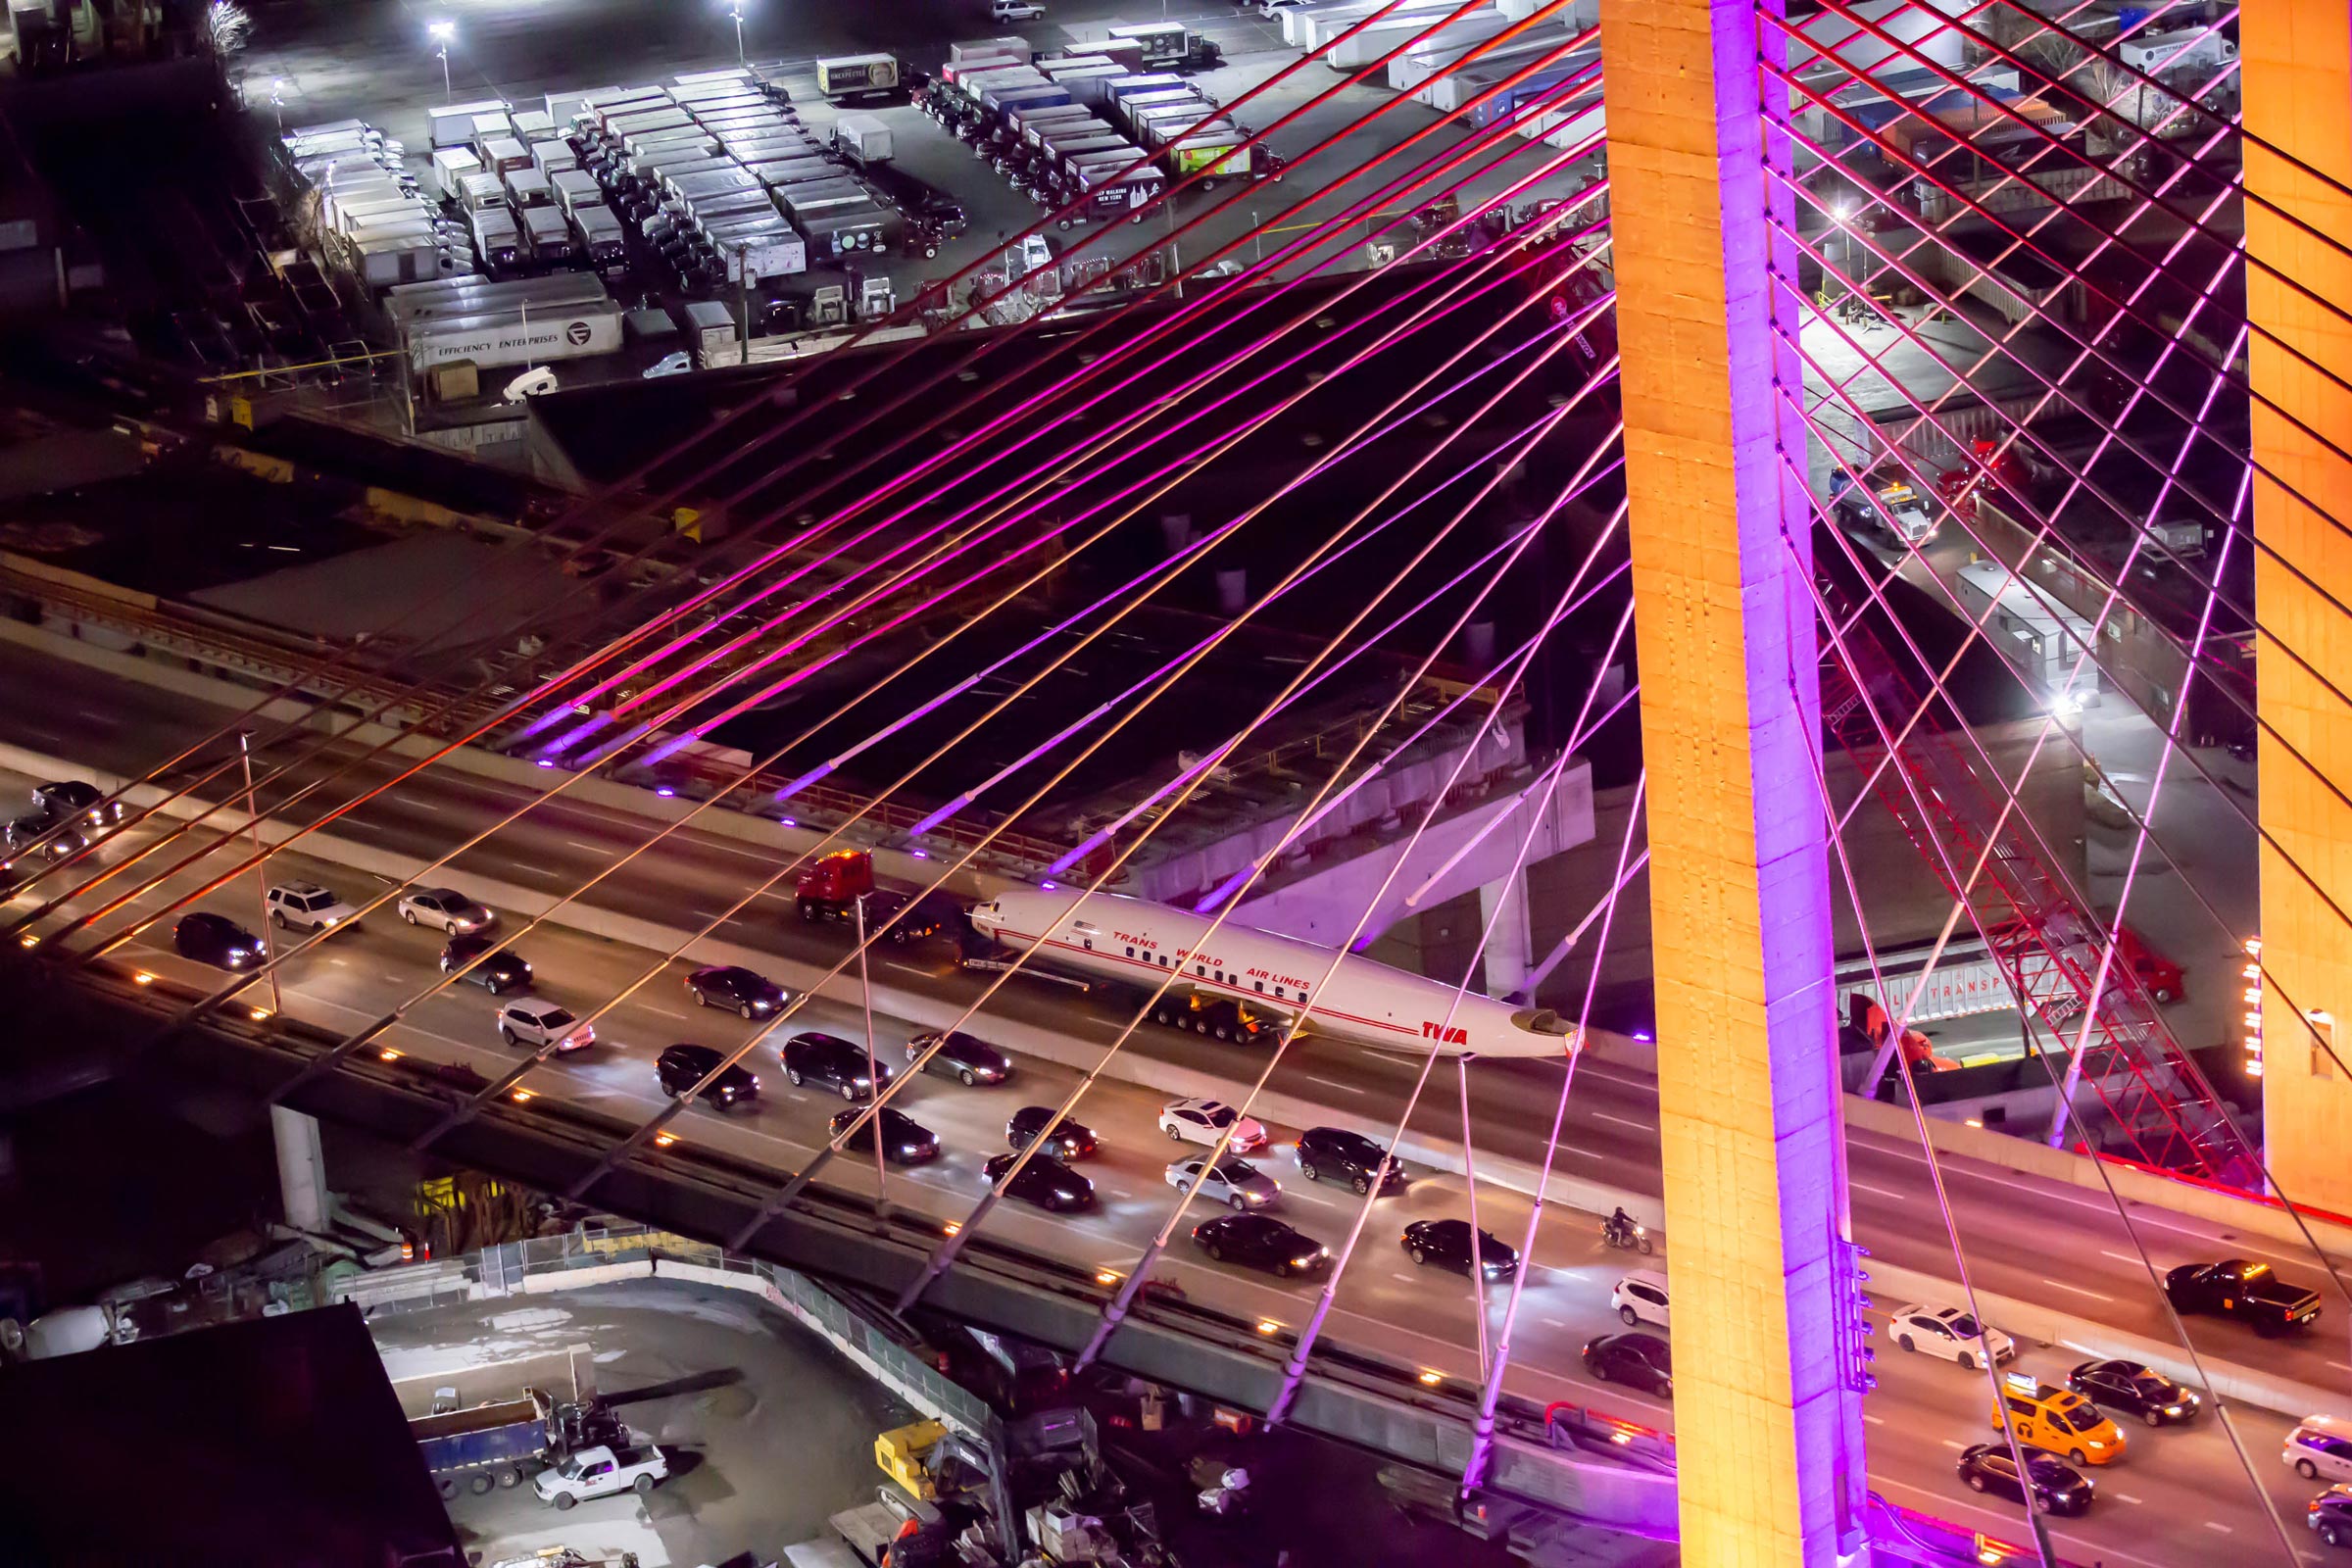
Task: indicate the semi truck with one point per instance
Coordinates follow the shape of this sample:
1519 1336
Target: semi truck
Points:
856 76
830 890
480 1428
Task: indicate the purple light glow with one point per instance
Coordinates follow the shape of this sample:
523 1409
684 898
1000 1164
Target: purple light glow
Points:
1049 886
920 855
665 792
545 762
789 822
1642 1035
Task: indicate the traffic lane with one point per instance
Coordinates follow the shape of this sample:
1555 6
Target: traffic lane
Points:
2009 1225
1414 1315
1422 1318
2180 1494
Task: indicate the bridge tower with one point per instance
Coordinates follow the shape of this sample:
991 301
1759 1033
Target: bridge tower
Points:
1747 1081
2296 56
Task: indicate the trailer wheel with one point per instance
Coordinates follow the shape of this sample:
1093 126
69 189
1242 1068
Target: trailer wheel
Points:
509 1478
447 1486
480 1484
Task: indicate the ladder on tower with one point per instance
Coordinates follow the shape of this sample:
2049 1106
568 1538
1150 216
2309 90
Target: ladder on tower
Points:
2046 944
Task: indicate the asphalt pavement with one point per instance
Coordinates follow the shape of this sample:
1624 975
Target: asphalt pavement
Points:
2178 1497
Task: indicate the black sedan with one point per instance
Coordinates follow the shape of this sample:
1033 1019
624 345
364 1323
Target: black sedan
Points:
1636 1358
1445 1243
681 1067
904 1141
736 989
1044 1181
1336 1154
72 798
1262 1242
962 1057
1071 1140
216 940
2057 1487
499 972
2127 1388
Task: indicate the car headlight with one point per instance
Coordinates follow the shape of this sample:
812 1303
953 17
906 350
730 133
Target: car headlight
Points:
2171 1409
2096 1443
325 921
863 1082
910 1148
761 1006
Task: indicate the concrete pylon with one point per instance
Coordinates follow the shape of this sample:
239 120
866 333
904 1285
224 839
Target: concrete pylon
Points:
1749 1107
2296 60
1509 950
301 1168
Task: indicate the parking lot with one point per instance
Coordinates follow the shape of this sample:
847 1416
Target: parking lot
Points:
768 1430
379 64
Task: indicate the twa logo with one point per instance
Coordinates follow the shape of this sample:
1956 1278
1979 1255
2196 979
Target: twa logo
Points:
1451 1036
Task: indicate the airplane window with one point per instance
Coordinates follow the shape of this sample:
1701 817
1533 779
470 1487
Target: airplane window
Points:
1131 952
1261 988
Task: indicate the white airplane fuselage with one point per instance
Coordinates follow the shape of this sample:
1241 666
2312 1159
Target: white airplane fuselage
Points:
1113 936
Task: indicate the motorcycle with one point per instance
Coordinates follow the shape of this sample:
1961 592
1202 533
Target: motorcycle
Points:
1631 1237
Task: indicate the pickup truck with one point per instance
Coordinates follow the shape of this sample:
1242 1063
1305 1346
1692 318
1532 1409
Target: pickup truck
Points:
2239 1288
602 1471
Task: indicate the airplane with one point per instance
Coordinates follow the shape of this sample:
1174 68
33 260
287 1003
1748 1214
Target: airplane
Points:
1113 937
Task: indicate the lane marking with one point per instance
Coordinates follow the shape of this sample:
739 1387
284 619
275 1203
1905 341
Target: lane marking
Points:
1625 1121
592 849
2124 1496
2123 1257
2060 1285
1865 1186
2217 1526
1874 1420
904 968
1949 1443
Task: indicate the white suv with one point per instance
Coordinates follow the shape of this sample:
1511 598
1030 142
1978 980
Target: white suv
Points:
538 1022
1641 1298
1202 1121
307 906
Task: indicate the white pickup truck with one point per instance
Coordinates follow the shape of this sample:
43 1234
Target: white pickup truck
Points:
599 1472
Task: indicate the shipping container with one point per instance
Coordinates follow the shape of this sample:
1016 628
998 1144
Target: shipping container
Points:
575 189
1009 48
528 187
549 235
480 191
600 235
454 125
554 157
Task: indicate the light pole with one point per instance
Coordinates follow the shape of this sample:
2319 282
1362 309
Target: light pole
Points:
1257 232
277 101
441 33
736 10
261 874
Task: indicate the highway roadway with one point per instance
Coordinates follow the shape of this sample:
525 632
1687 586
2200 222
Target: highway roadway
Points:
2178 1497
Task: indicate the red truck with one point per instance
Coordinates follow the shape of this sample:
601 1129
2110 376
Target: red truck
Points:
830 890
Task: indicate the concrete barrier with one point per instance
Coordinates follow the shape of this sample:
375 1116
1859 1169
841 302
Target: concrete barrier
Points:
2134 1186
580 1279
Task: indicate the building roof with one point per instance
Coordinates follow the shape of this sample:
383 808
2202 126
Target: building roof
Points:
276 1441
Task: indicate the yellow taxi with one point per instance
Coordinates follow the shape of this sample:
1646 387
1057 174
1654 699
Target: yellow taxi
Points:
2059 1421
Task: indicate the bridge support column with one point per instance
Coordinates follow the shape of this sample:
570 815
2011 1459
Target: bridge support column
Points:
301 1168
1509 952
1747 1085
2296 57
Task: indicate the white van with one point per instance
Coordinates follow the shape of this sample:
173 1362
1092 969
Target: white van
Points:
2320 1448
530 384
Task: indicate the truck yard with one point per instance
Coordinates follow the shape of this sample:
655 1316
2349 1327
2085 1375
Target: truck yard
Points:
764 210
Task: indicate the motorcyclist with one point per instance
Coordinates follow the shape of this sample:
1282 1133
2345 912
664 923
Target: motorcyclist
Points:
1619 1227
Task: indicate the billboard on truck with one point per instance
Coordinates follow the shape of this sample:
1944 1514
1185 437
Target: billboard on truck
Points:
1163 43
844 75
1213 156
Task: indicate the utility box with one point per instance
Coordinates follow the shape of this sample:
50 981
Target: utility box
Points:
455 381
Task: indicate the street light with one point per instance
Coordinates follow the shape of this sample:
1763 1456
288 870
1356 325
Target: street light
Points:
735 9
441 32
